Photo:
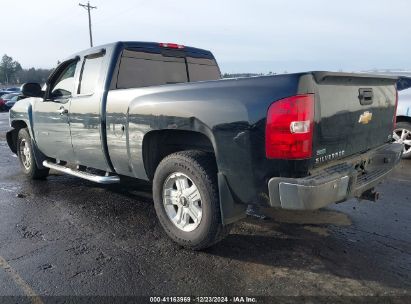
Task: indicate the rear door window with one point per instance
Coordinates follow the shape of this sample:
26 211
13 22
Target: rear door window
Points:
90 73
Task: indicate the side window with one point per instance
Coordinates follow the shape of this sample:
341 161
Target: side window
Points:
90 73
63 87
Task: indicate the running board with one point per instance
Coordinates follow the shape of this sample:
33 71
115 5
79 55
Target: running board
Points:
114 179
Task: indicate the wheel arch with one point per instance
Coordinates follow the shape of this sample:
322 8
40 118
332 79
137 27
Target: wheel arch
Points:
158 144
11 136
166 142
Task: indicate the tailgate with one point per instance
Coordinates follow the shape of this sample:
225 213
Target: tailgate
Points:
354 113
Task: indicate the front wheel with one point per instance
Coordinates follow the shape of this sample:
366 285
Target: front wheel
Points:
25 154
186 200
402 134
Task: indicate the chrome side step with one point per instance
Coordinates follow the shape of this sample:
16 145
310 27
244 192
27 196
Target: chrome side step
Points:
88 176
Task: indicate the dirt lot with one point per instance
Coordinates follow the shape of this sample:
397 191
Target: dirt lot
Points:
70 237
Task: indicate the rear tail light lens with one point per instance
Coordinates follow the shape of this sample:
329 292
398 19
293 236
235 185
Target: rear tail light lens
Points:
171 45
289 128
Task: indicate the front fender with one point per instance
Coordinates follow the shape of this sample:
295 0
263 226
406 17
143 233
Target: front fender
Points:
21 116
21 113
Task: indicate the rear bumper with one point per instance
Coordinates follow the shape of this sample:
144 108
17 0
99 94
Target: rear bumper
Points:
335 183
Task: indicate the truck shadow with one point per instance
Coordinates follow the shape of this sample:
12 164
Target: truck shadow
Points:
321 242
322 249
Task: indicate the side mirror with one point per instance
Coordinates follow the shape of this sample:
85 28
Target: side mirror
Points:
31 89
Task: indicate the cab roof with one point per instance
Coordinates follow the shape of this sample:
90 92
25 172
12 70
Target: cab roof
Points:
156 47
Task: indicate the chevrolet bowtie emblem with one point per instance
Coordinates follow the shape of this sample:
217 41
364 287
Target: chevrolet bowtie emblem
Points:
365 118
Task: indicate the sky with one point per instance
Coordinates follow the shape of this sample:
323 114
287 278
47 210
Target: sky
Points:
255 36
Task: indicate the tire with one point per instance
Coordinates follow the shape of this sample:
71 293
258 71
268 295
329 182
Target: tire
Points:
402 134
26 156
190 170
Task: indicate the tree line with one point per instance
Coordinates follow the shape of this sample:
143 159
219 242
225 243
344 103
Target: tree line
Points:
12 73
236 75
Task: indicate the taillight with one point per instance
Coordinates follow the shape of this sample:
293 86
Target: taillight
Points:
171 45
395 110
289 128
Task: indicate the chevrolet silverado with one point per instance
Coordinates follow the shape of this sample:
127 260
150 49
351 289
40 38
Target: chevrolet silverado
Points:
210 147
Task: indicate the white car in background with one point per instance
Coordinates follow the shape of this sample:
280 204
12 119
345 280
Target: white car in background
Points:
402 131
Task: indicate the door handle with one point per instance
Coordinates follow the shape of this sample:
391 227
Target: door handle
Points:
62 111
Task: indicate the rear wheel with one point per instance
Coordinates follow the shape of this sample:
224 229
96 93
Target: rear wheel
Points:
402 134
186 200
26 156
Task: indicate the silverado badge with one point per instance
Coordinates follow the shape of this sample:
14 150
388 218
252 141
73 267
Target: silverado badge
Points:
365 118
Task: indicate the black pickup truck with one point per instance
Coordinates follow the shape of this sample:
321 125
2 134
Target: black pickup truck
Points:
160 112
